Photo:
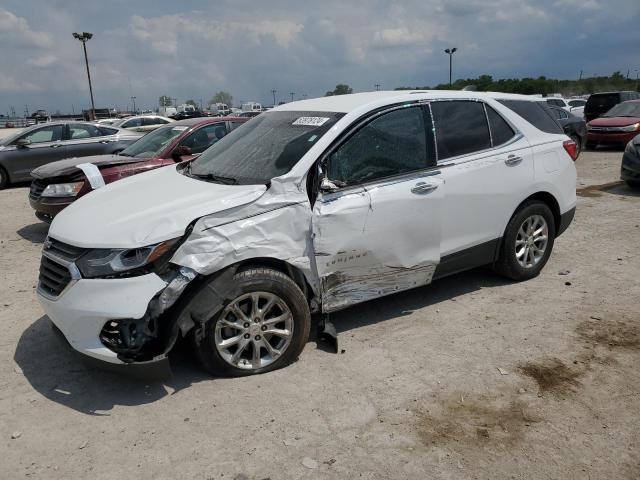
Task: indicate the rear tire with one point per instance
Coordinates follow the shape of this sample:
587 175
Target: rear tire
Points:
633 184
4 178
227 342
527 242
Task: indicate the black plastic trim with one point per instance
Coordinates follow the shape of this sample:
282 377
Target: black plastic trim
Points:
477 256
565 220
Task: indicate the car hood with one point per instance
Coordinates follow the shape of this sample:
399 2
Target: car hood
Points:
614 121
68 165
145 209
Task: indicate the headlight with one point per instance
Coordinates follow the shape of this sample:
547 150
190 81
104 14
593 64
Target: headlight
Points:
107 262
62 189
630 128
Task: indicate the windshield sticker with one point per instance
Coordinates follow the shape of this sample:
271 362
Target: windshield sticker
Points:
180 128
311 121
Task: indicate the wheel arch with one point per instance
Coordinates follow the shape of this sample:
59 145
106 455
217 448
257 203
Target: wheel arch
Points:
549 200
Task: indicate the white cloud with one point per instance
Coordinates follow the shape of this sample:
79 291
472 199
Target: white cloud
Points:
10 84
43 61
15 30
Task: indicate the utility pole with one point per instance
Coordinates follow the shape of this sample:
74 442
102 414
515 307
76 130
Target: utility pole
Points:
273 92
580 78
450 52
84 37
292 94
377 85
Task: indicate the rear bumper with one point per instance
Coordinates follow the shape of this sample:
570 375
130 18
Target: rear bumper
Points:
611 138
565 220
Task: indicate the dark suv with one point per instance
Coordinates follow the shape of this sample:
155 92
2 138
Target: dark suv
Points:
599 103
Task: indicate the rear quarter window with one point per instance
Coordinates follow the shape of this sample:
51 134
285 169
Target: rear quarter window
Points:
535 113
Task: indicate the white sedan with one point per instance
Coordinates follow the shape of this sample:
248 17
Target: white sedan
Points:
142 123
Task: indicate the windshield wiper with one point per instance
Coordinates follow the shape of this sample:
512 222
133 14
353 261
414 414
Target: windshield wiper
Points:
215 178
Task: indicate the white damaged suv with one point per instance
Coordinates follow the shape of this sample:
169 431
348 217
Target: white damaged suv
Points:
313 206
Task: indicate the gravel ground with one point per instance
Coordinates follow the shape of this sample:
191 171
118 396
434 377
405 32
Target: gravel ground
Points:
472 377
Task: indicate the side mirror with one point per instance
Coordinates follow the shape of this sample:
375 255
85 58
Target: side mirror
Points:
327 186
180 151
23 143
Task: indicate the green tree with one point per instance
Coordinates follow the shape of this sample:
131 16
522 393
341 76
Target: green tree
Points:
222 97
191 102
341 89
165 101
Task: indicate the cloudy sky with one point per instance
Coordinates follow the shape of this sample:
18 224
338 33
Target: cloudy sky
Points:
193 48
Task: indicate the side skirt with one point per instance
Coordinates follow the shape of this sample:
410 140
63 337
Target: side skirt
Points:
477 256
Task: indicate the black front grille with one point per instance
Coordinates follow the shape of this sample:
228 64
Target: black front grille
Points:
37 187
54 275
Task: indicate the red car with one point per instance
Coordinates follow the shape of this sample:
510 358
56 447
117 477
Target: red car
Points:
617 127
59 184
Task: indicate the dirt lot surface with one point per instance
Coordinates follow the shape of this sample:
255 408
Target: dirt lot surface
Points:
472 377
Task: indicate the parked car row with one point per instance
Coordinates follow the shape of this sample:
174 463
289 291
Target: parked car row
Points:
58 184
45 143
313 206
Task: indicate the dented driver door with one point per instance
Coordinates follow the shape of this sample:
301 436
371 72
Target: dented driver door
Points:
378 236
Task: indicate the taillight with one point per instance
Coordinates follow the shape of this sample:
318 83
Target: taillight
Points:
571 148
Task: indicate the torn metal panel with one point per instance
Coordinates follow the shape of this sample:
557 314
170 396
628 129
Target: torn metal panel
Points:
377 239
275 226
93 174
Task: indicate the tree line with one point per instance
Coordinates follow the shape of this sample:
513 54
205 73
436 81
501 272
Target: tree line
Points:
540 85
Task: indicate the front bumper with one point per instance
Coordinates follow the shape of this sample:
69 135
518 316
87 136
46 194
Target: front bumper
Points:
48 207
620 139
83 309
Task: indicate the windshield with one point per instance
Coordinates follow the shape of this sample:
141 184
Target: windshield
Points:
627 109
153 143
119 122
266 147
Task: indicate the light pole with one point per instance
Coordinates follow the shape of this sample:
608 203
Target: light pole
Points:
133 102
273 92
450 52
377 85
84 37
292 94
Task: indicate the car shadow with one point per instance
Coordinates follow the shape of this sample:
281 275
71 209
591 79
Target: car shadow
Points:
622 189
62 375
35 233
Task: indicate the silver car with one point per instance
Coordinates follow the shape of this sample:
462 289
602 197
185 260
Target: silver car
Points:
50 142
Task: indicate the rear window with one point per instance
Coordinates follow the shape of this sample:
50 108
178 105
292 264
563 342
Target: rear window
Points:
501 132
602 101
535 113
461 128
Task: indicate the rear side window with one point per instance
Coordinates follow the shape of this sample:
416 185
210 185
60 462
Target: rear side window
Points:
391 144
108 131
79 131
535 113
555 102
501 132
461 128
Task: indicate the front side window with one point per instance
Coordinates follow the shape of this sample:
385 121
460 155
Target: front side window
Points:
461 128
203 138
79 131
266 147
392 144
51 133
577 103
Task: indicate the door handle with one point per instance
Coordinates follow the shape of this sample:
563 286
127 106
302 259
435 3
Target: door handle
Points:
105 141
422 188
512 161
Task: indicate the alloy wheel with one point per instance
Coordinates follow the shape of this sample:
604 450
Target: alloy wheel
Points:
254 330
531 241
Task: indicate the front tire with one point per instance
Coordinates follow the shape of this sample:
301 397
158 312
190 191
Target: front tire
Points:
265 327
527 242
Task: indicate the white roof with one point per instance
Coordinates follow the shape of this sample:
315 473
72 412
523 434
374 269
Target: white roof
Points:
348 103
